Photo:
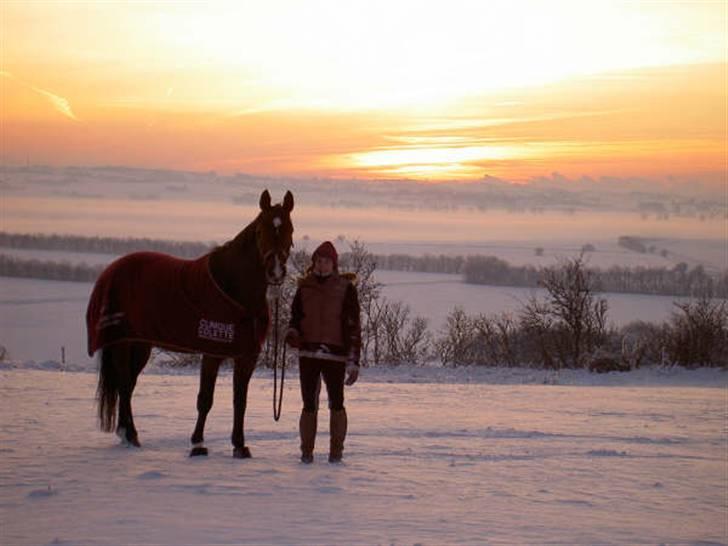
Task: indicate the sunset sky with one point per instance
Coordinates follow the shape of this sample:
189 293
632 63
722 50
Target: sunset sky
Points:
393 89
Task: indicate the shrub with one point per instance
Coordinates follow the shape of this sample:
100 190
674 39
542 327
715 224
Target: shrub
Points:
697 334
570 323
456 345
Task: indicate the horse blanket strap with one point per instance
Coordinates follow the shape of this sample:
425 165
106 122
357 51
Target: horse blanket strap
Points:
170 303
322 355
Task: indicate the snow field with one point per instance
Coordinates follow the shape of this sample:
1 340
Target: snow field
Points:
425 463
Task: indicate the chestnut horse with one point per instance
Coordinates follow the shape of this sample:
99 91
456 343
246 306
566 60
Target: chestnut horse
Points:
215 305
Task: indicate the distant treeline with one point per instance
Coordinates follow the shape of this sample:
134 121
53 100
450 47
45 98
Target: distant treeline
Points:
421 264
679 280
11 266
102 245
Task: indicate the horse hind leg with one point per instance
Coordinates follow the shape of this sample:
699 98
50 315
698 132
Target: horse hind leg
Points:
205 397
140 353
128 360
137 358
107 392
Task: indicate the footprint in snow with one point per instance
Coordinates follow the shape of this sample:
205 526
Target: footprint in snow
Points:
42 493
606 453
151 475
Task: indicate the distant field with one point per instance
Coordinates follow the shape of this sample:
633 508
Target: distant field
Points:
434 296
121 202
38 317
710 253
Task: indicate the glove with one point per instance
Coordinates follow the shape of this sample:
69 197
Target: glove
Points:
352 373
293 339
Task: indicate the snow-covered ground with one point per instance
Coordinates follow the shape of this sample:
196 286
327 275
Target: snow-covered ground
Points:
465 461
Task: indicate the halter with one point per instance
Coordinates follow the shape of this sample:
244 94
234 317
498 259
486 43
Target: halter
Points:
275 252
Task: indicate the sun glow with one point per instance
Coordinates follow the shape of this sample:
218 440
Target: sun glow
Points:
428 161
424 89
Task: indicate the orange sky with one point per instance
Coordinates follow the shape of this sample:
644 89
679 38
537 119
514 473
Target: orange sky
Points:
392 89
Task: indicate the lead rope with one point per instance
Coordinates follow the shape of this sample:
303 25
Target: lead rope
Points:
277 398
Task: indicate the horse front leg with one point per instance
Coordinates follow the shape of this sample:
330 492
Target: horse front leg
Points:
208 377
241 379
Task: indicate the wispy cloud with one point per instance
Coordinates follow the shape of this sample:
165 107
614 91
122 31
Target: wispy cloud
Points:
61 104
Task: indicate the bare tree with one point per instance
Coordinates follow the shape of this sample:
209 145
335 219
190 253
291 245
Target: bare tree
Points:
571 322
496 339
406 339
456 345
698 333
537 324
360 261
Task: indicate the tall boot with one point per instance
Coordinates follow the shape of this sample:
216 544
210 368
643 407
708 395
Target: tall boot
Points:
307 429
337 430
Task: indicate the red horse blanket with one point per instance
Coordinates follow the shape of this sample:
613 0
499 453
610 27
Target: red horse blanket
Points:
171 303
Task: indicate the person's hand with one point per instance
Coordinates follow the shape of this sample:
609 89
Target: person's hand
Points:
352 373
292 338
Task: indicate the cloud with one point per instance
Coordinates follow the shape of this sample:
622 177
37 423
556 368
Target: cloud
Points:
61 104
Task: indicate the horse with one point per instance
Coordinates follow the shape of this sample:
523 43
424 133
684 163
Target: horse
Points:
214 305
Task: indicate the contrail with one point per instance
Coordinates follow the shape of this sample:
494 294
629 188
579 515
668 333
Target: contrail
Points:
59 103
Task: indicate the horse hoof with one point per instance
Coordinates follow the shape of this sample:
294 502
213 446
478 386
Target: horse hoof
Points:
198 451
241 453
128 439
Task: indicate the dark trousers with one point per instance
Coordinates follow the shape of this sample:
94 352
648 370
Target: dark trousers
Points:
311 371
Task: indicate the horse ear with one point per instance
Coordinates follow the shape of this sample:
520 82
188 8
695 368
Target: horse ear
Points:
265 200
288 201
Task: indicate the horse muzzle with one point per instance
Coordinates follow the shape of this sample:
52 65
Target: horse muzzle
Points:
275 269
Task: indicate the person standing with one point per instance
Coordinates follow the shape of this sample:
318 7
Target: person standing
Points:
325 327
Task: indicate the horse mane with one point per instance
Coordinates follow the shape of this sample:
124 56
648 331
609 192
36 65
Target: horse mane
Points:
226 266
242 239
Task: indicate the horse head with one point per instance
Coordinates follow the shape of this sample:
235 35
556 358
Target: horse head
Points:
274 236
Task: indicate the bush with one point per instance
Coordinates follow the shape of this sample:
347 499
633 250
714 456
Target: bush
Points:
398 337
697 334
497 339
642 343
170 359
483 340
606 364
456 346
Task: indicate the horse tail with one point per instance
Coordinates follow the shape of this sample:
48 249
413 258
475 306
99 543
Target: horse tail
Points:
107 392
